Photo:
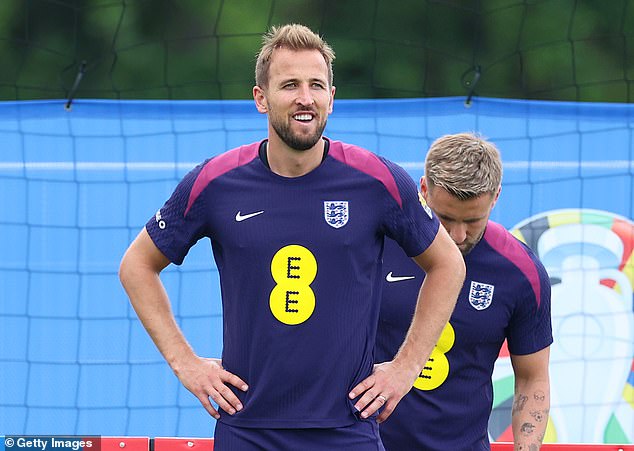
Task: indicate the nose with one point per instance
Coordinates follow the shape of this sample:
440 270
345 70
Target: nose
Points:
458 233
304 96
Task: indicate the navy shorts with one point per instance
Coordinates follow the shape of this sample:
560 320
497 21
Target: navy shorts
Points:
361 436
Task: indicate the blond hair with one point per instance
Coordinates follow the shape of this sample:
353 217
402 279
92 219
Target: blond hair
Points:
465 164
294 37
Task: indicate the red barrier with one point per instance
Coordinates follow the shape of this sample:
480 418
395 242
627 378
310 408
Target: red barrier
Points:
499 446
125 443
207 444
183 444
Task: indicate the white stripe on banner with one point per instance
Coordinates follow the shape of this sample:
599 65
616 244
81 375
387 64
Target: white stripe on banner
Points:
546 165
95 166
170 166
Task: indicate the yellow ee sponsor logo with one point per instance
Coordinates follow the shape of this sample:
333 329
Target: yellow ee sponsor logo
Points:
292 300
436 368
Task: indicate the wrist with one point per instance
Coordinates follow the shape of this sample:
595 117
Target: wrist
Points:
180 358
409 366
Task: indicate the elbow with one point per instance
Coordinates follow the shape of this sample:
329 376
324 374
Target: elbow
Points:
460 270
463 270
128 268
123 271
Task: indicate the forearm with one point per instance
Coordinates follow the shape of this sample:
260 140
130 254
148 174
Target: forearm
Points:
152 306
436 301
390 381
531 407
140 278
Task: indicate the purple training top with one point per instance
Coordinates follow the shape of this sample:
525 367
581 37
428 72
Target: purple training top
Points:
300 272
506 295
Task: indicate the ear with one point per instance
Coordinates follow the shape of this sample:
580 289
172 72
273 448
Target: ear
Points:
332 99
424 189
260 100
497 196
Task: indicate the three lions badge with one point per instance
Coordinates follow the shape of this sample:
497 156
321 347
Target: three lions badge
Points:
480 295
336 213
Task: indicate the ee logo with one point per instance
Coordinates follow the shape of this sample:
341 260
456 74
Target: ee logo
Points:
292 300
436 368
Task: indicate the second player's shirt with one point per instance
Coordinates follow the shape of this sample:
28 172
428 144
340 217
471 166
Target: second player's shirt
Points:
300 272
506 295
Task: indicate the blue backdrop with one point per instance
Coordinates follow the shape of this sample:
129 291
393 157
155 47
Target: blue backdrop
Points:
77 186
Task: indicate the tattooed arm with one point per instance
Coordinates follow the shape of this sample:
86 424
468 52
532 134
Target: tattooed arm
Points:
532 399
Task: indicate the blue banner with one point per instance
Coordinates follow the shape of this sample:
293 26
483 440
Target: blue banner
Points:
77 186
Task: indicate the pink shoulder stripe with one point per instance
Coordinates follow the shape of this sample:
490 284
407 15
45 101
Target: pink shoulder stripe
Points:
368 163
504 243
220 165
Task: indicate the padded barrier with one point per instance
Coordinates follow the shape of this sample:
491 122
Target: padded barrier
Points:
504 446
125 443
183 444
207 444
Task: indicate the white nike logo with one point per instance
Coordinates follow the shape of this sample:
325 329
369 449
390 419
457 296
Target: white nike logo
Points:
240 217
391 278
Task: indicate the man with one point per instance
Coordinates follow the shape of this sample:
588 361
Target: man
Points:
297 224
506 295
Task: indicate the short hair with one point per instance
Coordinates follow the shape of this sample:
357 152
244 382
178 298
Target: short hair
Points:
294 37
465 164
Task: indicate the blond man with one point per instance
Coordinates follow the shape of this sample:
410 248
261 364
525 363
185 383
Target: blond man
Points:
506 296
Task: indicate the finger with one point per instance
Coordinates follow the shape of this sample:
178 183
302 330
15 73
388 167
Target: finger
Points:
378 402
362 387
365 401
234 380
227 400
223 404
204 400
386 412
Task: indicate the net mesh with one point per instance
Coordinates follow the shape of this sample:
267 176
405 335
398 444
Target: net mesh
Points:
76 186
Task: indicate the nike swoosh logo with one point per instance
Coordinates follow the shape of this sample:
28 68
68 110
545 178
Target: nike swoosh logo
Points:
240 217
391 278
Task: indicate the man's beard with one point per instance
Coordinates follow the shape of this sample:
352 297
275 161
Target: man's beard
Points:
471 245
295 140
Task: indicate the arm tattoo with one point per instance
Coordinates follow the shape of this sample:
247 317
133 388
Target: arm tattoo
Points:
530 434
539 415
539 396
520 402
527 429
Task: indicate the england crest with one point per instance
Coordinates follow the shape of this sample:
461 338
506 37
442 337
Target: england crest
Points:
480 295
336 213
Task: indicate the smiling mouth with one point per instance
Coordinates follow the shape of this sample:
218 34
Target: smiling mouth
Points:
304 117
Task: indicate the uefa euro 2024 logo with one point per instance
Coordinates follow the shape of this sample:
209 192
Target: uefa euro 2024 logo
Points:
589 256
